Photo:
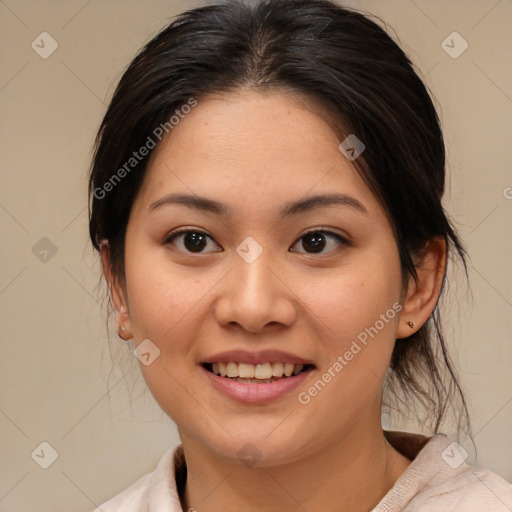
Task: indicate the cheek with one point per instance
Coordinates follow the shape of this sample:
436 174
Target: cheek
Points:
164 307
355 298
162 299
359 310
355 354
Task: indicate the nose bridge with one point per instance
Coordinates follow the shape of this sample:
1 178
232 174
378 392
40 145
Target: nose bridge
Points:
253 267
255 279
253 294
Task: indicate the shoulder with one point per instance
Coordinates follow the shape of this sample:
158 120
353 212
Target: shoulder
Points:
132 499
472 489
438 478
152 490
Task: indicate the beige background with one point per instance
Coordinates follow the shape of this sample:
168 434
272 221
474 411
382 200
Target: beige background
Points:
55 364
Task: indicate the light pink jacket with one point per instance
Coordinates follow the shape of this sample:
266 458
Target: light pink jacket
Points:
438 480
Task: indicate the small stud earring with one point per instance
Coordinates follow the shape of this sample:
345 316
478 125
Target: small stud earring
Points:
121 332
410 324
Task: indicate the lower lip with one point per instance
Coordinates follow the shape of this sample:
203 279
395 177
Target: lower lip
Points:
254 393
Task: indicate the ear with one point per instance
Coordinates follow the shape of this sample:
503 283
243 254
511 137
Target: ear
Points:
423 293
117 293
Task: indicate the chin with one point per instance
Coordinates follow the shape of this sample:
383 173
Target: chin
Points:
261 447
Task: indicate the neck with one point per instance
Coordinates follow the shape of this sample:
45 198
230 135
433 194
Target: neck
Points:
352 473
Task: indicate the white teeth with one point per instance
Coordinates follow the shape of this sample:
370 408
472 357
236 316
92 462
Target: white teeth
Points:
288 369
245 371
264 372
232 369
255 381
277 369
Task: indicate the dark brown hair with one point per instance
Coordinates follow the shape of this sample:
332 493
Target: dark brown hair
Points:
344 62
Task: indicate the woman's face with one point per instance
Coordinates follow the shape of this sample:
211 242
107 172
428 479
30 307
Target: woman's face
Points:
247 284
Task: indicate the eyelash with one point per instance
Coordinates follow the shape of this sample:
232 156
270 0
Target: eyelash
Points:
343 241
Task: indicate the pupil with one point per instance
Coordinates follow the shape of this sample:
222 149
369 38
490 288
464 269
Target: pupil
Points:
314 240
194 242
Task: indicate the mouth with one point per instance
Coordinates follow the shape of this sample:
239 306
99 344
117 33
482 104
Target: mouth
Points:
262 373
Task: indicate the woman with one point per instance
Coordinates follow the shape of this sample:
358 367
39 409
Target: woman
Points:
266 198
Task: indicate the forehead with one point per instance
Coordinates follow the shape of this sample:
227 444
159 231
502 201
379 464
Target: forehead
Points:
249 146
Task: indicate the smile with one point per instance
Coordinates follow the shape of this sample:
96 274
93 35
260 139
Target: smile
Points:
255 373
256 383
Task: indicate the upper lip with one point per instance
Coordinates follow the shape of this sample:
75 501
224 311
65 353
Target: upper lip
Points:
259 357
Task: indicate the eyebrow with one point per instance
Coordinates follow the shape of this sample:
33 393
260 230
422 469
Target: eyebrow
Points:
290 208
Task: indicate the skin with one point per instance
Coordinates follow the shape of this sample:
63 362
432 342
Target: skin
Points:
253 153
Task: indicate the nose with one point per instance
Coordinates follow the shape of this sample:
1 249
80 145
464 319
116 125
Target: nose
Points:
256 296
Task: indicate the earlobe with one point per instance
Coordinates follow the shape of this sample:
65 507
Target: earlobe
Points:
423 292
117 294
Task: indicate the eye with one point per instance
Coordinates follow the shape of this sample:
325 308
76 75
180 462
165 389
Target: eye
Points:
317 240
193 241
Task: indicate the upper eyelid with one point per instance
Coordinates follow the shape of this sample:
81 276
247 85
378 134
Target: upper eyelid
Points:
197 230
323 230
